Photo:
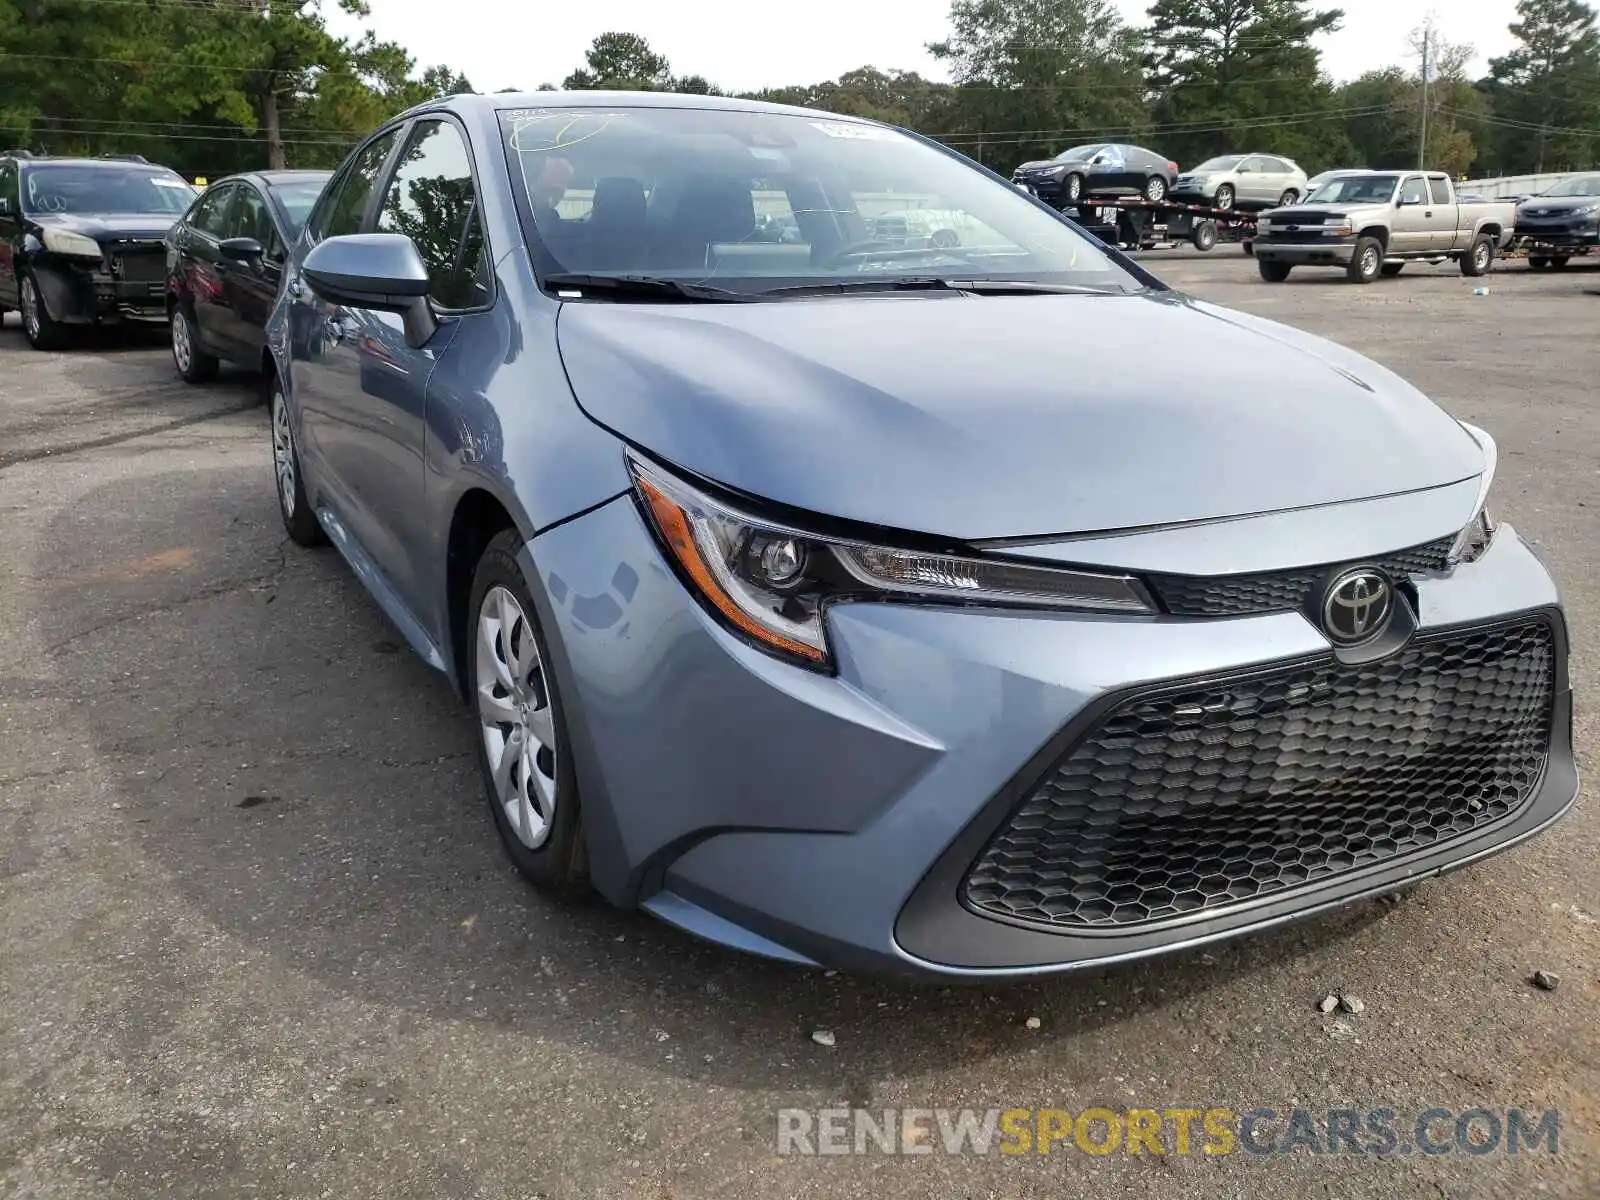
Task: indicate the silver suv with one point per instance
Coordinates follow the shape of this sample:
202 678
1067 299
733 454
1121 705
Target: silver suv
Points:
1246 180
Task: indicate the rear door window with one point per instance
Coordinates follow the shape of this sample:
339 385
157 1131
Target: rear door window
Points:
1441 190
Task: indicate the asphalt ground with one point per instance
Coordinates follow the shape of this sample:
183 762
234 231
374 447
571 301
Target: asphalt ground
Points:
257 937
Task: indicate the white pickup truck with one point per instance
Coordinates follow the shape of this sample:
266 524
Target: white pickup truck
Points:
1373 223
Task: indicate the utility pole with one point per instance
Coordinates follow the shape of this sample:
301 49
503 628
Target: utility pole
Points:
1422 144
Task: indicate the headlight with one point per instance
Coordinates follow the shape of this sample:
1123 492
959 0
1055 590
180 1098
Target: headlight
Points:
1473 540
1588 210
771 583
1343 229
59 241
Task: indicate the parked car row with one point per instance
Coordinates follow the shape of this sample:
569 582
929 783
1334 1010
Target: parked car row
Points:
1103 169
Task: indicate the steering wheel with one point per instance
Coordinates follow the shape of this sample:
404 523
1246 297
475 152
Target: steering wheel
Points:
52 203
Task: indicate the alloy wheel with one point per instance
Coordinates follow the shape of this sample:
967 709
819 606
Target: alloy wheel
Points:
283 452
516 712
30 308
1480 256
182 350
1370 261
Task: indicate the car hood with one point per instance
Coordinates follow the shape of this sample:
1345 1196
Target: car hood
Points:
1050 164
1555 205
106 227
1007 416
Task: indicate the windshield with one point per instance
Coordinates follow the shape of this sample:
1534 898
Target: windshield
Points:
297 199
757 201
85 189
1078 152
1355 189
1226 163
1583 185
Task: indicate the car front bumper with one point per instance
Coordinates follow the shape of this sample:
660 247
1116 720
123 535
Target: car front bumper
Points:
1568 233
84 292
834 819
1325 252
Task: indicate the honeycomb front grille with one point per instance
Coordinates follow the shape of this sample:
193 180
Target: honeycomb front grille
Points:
1277 591
1193 800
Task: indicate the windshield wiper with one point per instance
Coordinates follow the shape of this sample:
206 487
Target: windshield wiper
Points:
643 287
931 283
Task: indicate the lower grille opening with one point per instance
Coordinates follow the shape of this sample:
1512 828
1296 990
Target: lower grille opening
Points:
1195 800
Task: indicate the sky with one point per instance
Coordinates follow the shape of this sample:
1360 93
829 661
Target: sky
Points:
742 45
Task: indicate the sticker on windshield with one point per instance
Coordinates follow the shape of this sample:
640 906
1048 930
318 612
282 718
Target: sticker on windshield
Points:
540 130
850 129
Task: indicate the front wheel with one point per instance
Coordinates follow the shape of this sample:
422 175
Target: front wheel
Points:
524 754
1155 189
1365 261
42 331
1273 272
1289 197
1073 188
1204 236
1224 196
1538 262
1479 257
299 521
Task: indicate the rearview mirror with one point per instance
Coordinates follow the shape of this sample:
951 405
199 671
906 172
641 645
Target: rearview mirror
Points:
240 249
380 271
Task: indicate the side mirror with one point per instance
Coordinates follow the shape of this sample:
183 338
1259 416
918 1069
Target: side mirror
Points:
380 271
1241 169
240 249
1407 202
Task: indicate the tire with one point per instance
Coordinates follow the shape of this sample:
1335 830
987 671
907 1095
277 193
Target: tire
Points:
1204 236
945 239
1538 262
299 521
1479 257
1559 261
194 365
1224 197
1365 261
1155 189
508 676
1390 270
1072 188
1249 248
42 330
1273 272
1289 197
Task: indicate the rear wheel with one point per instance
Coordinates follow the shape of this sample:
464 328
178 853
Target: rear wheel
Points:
1273 272
1479 257
1390 270
944 239
1289 197
1204 236
524 754
1365 261
1538 262
1224 196
42 331
194 365
1155 189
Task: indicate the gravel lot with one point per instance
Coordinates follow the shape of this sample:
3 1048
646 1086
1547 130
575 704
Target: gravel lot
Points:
256 936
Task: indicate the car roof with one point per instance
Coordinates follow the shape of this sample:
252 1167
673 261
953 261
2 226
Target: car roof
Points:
472 104
272 179
51 160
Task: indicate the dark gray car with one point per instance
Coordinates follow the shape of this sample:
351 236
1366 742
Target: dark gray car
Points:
892 605
1098 169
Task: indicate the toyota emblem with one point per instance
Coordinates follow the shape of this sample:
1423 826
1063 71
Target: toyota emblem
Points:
1357 607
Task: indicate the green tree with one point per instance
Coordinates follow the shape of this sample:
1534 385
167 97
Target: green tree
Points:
1545 94
1034 75
1383 112
898 97
621 62
1239 75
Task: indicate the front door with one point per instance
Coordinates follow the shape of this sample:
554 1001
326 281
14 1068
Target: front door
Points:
1411 231
250 287
204 270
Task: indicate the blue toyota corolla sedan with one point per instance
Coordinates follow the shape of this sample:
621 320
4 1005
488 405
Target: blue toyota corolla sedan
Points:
957 605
